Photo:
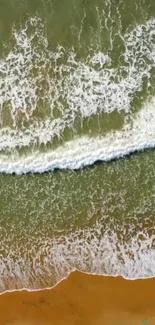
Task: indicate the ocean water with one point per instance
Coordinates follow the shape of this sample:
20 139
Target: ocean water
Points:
77 138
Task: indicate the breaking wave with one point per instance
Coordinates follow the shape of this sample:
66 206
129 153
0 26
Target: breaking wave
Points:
43 93
96 250
66 107
83 151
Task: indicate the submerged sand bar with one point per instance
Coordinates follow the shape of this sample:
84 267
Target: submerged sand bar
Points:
83 300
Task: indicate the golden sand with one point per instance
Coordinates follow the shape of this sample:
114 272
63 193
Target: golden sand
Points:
83 300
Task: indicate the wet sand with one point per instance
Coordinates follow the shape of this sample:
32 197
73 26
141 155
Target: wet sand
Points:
82 300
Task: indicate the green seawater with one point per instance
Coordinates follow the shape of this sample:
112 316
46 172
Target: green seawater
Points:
77 137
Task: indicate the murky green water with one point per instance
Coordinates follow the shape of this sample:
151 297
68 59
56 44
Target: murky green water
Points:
77 83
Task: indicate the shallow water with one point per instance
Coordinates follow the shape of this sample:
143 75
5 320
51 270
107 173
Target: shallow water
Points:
77 86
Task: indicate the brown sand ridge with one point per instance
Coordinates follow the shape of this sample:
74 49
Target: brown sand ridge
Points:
83 300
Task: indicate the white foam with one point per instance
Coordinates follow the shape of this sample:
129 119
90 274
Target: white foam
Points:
96 250
75 154
74 88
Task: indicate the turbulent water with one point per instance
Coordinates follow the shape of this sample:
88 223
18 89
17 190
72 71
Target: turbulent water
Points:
77 138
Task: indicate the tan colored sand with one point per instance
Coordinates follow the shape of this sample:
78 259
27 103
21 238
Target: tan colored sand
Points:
82 300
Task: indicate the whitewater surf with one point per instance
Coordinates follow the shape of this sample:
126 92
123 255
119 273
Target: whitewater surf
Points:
72 94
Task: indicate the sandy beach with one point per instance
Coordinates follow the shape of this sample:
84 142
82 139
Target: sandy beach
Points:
83 300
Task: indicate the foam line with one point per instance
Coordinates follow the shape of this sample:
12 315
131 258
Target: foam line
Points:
84 151
95 251
71 88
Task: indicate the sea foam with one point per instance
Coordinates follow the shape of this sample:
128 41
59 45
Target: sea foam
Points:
64 88
96 250
83 151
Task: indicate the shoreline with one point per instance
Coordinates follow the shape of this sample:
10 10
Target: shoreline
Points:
82 299
29 290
